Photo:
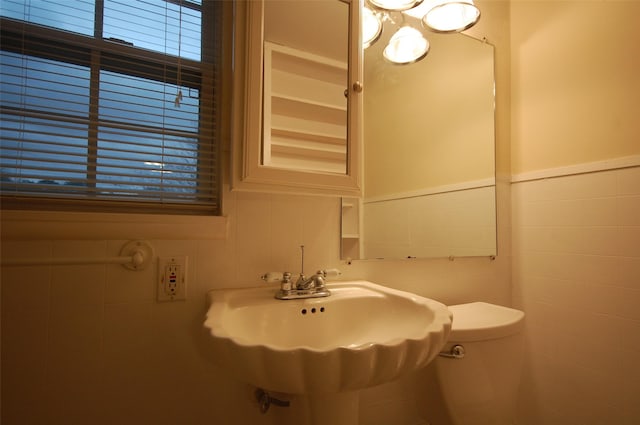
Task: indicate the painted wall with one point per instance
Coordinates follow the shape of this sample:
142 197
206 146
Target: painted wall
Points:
576 237
575 82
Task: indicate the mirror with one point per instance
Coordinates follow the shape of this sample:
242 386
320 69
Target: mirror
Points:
303 65
429 155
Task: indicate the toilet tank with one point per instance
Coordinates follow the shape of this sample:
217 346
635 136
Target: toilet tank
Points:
480 321
481 388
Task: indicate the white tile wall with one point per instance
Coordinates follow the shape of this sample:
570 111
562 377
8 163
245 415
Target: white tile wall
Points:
576 273
89 344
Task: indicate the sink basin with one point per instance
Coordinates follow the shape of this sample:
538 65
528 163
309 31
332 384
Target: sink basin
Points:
363 335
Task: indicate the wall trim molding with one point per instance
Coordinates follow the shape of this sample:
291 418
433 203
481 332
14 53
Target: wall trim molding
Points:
59 225
455 187
584 168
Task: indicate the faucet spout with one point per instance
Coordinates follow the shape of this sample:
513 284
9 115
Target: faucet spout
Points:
311 287
314 282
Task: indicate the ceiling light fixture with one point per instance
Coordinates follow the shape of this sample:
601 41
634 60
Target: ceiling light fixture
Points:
450 16
371 27
395 5
408 44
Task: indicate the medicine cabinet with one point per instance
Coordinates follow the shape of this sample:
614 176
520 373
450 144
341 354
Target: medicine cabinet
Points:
297 97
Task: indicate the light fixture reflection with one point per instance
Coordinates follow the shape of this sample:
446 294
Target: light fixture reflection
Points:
406 46
448 16
395 5
371 27
420 10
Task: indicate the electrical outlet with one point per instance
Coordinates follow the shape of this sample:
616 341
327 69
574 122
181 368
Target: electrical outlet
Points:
172 278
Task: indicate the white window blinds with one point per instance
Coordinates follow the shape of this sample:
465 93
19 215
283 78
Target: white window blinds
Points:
110 105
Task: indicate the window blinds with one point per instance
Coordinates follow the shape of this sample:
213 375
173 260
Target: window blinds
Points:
110 105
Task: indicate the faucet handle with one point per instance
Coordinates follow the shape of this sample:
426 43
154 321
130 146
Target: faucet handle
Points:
329 272
283 277
273 276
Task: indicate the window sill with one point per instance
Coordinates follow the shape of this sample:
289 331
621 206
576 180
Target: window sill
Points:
56 225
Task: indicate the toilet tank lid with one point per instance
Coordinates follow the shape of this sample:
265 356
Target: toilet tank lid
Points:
479 321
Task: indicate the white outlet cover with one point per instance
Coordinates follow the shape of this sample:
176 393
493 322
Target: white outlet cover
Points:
163 287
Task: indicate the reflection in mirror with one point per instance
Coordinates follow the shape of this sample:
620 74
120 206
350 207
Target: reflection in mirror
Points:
429 155
305 78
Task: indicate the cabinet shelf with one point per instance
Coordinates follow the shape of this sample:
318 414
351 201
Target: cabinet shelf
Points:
350 242
305 111
323 138
297 100
302 151
303 63
312 130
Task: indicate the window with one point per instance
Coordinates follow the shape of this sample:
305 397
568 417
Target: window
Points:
110 105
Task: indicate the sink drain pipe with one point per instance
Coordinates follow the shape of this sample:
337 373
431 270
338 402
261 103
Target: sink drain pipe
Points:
265 400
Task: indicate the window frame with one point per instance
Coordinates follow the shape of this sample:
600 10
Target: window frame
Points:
99 54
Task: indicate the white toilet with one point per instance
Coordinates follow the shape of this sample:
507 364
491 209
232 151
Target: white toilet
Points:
478 384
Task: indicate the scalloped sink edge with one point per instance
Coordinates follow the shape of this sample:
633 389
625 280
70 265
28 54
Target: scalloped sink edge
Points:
394 333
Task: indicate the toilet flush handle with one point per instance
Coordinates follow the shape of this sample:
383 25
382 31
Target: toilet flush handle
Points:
456 352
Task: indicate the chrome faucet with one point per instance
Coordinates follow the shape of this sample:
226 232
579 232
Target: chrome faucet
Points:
311 287
303 283
316 281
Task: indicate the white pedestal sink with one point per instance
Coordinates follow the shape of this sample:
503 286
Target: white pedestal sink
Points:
324 350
